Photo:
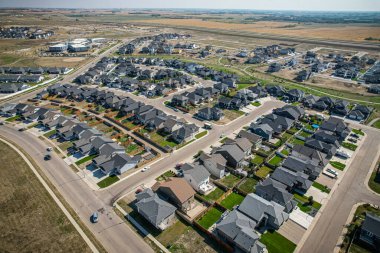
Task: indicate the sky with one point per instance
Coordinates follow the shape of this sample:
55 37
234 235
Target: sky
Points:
309 5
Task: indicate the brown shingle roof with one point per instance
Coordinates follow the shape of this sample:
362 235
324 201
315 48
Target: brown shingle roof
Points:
180 188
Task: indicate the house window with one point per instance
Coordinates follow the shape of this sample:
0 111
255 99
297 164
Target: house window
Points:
369 234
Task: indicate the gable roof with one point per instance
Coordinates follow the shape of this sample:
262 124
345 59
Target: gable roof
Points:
198 172
179 188
372 224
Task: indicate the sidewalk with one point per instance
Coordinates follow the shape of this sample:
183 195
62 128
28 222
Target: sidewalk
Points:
141 228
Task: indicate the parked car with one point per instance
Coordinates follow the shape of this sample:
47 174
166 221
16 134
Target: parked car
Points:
1 123
353 140
49 148
47 157
332 171
94 217
22 129
145 169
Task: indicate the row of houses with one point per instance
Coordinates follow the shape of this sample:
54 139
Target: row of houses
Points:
21 78
8 88
34 70
146 115
263 54
134 44
24 33
110 157
336 107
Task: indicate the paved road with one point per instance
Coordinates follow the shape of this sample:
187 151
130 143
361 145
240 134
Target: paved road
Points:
111 231
352 189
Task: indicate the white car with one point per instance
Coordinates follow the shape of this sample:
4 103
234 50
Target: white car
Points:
145 169
332 171
49 148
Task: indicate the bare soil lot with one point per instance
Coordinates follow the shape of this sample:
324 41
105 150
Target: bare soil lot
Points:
30 220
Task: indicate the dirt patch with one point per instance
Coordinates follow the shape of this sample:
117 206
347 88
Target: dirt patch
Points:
73 59
30 220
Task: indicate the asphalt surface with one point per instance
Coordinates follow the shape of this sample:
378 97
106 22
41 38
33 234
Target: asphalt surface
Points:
351 190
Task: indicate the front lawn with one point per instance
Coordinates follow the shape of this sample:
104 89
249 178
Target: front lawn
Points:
85 159
232 200
349 146
215 194
108 181
304 200
257 103
358 131
200 135
50 133
275 161
11 119
374 182
65 145
230 180
285 151
276 243
210 217
248 185
376 124
322 188
338 165
263 172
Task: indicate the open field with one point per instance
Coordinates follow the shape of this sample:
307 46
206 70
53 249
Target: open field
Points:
31 220
336 32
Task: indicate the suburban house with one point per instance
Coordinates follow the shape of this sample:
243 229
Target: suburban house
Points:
294 181
239 230
360 112
273 190
118 163
370 230
265 131
185 133
208 113
328 149
255 139
265 213
337 126
214 163
303 152
197 176
307 166
155 210
178 191
232 153
294 95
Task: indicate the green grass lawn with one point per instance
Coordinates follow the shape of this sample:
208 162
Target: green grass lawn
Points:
276 243
286 136
128 124
257 160
321 187
257 103
230 180
304 208
13 118
376 124
50 133
131 148
65 145
232 200
275 160
304 199
201 134
296 141
210 217
108 181
263 172
241 86
338 165
85 159
358 131
248 185
285 151
304 134
215 194
374 182
349 146
161 140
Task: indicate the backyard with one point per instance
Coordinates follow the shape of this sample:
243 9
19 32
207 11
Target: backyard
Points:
230 180
232 200
263 172
210 217
275 161
248 185
257 160
214 195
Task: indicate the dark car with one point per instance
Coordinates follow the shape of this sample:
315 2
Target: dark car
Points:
47 157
